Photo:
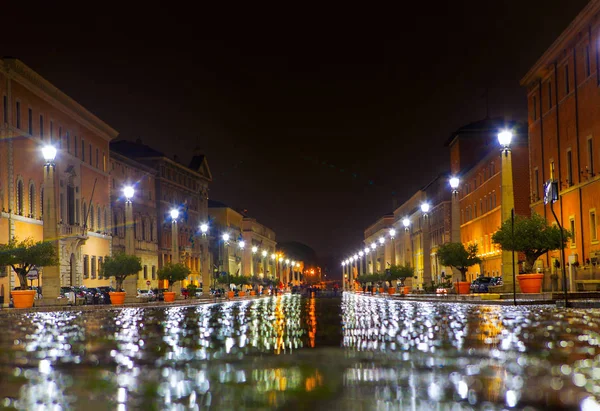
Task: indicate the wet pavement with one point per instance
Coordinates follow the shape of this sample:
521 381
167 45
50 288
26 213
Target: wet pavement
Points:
355 353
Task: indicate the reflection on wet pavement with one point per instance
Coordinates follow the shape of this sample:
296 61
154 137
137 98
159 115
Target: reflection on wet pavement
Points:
353 353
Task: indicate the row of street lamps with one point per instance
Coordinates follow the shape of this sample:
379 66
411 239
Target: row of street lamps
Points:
355 263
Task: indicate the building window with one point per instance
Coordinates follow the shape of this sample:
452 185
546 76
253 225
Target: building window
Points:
593 226
569 168
30 121
154 272
536 184
84 213
18 110
83 150
590 148
480 206
566 79
549 95
493 168
99 217
20 197
572 229
551 168
103 161
51 131
68 143
41 202
587 61
92 217
75 146
31 200
534 108
100 260
86 266
97 157
145 272
94 267
5 109
41 126
494 198
90 153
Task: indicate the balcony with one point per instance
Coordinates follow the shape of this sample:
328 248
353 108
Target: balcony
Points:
139 245
68 230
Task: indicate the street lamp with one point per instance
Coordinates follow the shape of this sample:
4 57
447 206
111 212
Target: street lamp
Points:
49 154
454 182
381 240
128 192
203 229
425 209
373 246
51 275
174 214
226 237
254 249
367 250
406 223
264 253
504 138
392 233
242 244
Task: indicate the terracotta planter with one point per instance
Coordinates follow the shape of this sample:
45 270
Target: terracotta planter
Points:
391 290
23 298
530 283
463 287
230 294
252 293
169 296
381 290
405 290
117 297
242 294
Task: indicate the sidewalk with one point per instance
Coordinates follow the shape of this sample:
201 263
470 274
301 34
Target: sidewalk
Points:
154 304
576 299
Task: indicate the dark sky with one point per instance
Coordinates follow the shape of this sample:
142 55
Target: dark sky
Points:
311 117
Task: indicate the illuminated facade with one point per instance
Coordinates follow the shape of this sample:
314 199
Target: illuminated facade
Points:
227 254
475 159
381 254
257 261
564 137
34 113
184 188
127 172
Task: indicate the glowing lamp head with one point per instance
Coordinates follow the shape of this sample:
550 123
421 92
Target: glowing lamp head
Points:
504 138
242 244
174 214
49 153
297 264
360 253
264 253
204 228
226 237
287 261
254 249
367 250
293 263
128 192
280 259
425 207
356 256
373 246
454 182
273 256
392 232
382 240
406 222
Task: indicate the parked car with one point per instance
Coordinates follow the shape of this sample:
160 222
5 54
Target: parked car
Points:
96 296
496 281
105 290
146 295
480 284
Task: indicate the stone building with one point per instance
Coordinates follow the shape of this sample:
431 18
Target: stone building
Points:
564 138
36 113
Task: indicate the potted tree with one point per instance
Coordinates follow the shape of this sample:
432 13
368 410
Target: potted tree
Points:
22 257
172 273
400 272
533 237
120 266
457 256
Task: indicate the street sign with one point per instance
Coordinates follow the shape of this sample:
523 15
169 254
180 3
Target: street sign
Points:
32 274
148 282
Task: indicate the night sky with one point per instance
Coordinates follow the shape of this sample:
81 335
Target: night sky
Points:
311 117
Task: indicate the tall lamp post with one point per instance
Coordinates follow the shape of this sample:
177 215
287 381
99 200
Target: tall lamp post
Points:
264 263
51 273
425 207
273 265
242 246
373 257
508 204
175 242
455 220
205 263
130 283
393 244
254 251
407 244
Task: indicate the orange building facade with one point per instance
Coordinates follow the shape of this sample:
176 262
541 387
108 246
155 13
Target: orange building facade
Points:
563 92
35 113
476 159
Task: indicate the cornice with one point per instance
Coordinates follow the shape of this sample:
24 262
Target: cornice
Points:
17 70
580 23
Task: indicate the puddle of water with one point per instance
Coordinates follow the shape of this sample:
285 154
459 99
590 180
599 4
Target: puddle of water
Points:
294 353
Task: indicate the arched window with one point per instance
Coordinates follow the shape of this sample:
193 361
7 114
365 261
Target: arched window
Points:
145 272
31 212
105 220
154 272
20 197
143 230
91 223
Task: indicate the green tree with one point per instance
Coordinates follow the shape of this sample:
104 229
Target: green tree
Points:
401 272
121 266
457 256
24 255
173 273
533 237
